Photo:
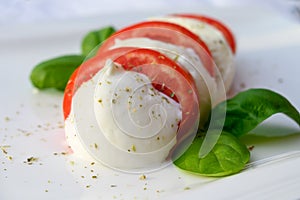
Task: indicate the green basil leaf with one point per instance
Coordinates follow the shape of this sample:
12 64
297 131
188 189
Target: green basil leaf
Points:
94 38
228 156
55 73
248 109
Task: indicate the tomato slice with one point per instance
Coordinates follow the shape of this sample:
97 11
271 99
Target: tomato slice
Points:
165 32
217 24
87 70
68 94
166 75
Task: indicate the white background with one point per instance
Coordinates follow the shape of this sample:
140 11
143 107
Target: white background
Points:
36 11
31 123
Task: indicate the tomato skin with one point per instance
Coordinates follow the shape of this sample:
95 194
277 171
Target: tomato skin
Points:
217 24
68 94
164 32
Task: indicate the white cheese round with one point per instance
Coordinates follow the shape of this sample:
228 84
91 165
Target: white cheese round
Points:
119 119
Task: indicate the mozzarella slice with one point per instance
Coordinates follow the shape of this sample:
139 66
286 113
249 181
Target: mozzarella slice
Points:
120 120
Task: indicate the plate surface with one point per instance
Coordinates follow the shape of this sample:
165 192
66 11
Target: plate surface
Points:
36 162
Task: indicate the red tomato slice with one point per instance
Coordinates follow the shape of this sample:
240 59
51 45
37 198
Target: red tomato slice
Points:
165 32
217 24
166 75
87 70
68 94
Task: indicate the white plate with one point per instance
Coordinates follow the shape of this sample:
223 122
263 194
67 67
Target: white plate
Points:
31 123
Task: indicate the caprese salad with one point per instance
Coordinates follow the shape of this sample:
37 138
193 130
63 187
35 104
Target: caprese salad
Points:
154 92
147 89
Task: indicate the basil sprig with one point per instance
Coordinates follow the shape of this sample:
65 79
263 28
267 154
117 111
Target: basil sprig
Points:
244 112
